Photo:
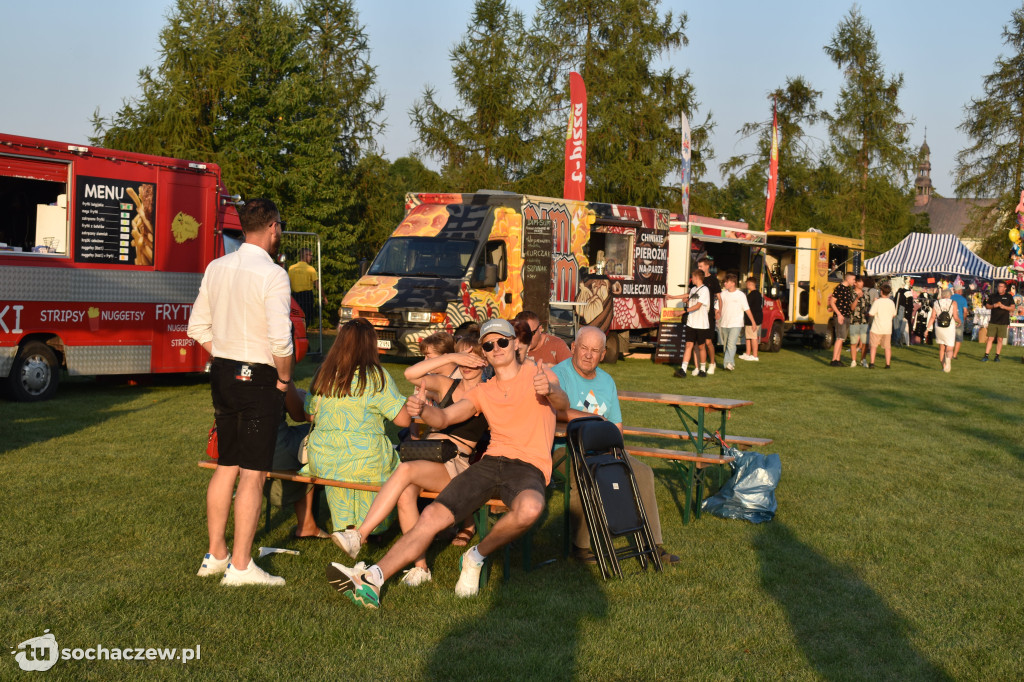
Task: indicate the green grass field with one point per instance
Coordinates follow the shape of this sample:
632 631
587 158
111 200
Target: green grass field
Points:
896 552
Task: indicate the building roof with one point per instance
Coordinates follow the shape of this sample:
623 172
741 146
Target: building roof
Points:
950 216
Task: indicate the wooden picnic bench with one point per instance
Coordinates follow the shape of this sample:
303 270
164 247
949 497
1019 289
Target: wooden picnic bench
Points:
482 517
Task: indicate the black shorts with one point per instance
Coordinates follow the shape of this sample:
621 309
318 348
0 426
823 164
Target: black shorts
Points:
247 408
491 477
698 335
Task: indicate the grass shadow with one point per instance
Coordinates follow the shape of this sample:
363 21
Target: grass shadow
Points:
844 629
504 642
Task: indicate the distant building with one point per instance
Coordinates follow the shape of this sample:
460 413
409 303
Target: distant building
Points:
945 216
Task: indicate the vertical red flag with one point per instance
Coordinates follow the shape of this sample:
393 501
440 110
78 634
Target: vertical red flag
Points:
575 186
773 170
685 125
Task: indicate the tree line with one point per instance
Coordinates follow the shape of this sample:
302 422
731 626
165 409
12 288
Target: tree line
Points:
284 97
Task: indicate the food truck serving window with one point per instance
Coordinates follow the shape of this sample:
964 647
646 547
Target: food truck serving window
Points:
611 253
838 262
34 196
423 257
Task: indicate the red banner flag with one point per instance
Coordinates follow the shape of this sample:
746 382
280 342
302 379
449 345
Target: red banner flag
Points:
575 186
773 170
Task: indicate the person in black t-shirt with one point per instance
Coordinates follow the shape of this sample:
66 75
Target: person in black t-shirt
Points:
752 333
841 304
1000 303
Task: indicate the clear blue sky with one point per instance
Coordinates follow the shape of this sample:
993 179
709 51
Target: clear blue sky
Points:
64 59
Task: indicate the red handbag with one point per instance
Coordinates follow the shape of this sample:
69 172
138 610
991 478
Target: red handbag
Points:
211 444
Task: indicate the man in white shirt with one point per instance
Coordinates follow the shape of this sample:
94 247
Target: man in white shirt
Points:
734 305
242 318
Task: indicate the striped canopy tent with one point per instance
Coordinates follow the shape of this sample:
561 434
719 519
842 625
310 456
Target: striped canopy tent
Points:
1005 272
922 254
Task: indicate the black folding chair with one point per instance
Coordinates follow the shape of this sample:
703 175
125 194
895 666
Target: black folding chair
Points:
609 496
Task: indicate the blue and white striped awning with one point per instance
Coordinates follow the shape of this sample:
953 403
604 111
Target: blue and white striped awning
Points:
920 254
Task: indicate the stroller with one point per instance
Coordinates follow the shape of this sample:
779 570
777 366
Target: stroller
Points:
609 496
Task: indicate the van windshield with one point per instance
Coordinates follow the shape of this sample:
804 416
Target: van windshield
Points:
423 257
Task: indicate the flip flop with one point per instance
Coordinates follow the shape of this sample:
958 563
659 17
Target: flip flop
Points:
463 537
321 534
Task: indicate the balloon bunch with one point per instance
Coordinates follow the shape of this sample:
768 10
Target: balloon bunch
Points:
1015 233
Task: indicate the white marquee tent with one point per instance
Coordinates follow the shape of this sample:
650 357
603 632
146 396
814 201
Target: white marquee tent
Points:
920 254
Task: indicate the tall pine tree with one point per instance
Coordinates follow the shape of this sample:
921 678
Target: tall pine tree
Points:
869 150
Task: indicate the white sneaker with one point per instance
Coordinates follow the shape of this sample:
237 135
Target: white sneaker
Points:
864 363
743 356
696 371
253 575
853 363
469 578
711 369
754 358
730 367
416 576
213 566
348 540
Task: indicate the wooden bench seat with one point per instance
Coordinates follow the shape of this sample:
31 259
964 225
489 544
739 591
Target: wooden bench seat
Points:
683 435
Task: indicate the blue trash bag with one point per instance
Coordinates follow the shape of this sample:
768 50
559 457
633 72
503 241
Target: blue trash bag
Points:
750 493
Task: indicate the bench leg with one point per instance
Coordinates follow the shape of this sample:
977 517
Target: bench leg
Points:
687 475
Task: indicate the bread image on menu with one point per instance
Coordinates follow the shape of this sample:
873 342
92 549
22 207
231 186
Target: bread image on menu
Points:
142 224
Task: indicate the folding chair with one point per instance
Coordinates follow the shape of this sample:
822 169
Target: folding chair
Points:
609 496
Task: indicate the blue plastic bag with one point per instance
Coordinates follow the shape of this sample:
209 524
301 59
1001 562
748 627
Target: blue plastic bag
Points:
750 493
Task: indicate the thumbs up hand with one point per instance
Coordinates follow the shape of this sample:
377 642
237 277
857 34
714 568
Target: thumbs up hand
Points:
541 383
414 403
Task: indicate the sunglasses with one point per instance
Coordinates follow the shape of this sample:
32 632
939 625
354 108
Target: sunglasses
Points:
488 346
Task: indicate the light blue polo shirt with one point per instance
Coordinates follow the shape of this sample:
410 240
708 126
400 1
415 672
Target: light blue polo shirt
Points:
597 396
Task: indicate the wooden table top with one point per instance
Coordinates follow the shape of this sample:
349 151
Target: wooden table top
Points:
688 400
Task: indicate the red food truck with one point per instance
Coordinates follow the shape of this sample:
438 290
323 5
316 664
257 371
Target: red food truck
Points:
101 257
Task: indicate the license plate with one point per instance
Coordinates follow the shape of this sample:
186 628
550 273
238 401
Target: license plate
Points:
383 344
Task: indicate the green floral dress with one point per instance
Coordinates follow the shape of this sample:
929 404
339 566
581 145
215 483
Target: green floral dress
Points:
348 443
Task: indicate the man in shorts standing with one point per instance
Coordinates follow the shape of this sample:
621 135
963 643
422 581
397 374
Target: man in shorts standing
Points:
859 322
962 308
714 310
242 319
752 332
882 313
698 307
520 403
841 305
1000 303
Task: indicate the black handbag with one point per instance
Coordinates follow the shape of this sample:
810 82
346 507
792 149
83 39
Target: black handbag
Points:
427 450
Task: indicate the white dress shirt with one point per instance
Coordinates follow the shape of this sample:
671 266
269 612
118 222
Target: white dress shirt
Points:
244 307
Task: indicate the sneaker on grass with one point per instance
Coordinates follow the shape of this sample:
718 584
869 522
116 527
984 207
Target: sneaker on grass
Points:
469 578
743 356
416 576
252 575
348 540
354 584
711 368
213 566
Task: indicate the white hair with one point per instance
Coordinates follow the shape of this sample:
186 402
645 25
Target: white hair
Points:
592 330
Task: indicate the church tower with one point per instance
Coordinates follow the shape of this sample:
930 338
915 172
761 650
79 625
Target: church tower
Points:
923 184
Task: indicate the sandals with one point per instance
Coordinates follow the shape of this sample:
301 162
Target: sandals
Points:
321 534
463 537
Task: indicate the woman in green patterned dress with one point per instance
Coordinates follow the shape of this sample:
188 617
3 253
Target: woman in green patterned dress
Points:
349 398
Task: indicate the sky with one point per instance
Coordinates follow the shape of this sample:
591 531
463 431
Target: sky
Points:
65 59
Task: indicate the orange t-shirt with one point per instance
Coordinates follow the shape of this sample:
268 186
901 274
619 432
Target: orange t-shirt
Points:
522 424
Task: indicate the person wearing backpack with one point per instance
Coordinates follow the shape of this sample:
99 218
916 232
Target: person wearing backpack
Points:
945 316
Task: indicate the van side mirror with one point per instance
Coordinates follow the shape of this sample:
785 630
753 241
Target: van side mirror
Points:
364 265
485 278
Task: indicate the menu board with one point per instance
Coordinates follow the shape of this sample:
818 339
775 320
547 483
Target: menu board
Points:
537 242
671 336
114 221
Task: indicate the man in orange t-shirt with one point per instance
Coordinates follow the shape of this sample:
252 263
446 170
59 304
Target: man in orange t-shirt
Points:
520 403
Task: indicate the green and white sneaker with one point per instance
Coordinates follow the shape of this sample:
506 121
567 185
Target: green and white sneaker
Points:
469 578
352 583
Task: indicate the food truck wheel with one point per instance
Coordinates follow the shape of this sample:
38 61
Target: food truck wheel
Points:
774 344
611 352
35 373
830 336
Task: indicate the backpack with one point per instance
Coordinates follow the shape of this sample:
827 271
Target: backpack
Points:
944 318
